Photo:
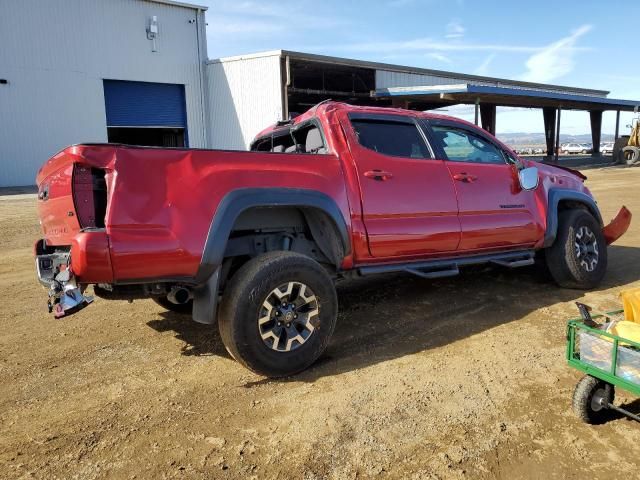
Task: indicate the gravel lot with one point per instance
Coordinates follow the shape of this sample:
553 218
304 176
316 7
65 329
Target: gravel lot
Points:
455 378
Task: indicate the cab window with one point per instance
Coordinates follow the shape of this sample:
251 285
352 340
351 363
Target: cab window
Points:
461 145
395 139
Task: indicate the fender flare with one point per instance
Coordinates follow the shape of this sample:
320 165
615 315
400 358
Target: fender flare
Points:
556 195
237 201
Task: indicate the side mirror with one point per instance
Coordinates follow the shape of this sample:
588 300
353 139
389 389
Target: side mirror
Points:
528 178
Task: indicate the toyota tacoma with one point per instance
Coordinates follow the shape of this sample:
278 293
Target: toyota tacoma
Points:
254 241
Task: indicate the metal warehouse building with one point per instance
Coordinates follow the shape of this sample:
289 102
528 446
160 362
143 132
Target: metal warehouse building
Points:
250 91
137 72
126 71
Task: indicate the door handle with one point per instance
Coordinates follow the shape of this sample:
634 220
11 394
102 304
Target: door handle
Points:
465 177
379 175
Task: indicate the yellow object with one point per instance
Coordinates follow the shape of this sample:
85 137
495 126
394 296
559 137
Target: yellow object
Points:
631 304
634 139
627 330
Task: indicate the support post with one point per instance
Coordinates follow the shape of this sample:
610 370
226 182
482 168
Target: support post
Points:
477 108
617 125
488 117
596 131
549 115
556 149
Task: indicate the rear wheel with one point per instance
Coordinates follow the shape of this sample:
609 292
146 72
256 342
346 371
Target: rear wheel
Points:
278 313
590 400
578 257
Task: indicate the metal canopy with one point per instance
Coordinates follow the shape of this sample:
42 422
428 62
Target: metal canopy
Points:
503 96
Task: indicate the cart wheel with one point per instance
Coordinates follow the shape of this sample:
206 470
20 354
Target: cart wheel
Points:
590 400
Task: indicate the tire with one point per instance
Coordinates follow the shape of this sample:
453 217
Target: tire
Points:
184 308
617 154
269 288
587 396
578 257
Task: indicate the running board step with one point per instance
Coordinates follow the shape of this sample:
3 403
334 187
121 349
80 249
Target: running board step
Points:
424 273
448 267
523 262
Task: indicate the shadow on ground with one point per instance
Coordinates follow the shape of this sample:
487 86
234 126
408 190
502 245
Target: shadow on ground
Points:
387 317
199 339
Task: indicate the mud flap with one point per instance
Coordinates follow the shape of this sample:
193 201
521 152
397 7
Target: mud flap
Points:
65 297
205 300
618 226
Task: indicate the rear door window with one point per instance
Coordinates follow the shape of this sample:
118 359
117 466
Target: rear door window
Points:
387 137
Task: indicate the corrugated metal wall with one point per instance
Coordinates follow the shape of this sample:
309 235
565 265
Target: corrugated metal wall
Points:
244 97
55 56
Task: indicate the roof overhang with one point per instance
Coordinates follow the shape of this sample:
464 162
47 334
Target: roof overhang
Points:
176 3
468 93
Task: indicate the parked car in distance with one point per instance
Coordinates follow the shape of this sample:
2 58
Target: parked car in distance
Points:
255 241
570 148
607 148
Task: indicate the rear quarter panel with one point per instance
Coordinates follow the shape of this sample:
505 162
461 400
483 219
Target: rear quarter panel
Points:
162 201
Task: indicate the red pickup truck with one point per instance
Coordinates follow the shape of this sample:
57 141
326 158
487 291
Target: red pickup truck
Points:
255 240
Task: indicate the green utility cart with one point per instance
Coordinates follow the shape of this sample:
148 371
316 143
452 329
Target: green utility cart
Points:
609 361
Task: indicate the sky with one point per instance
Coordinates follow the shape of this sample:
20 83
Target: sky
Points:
580 43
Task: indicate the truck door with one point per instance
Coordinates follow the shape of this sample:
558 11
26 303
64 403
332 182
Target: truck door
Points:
408 198
494 211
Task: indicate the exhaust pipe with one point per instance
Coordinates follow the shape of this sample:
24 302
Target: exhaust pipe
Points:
179 295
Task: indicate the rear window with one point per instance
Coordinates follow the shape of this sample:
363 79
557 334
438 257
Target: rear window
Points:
304 139
396 139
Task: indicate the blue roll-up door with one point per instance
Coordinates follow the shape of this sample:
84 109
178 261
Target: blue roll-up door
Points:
144 104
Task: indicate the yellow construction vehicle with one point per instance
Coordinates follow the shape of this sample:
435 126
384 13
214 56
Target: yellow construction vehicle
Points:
627 148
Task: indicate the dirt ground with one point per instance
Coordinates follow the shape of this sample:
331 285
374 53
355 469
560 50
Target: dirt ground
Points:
455 378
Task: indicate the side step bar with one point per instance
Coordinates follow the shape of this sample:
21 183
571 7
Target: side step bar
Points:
448 267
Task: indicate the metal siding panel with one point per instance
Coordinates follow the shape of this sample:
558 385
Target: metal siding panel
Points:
143 104
55 56
244 97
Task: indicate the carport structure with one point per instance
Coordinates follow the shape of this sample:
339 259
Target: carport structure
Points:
487 98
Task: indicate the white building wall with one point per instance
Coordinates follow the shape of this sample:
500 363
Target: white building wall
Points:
55 56
244 97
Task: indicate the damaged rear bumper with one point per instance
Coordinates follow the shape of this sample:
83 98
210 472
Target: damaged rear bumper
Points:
54 270
618 226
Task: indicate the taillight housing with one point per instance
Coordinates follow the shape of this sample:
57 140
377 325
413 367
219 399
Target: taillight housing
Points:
89 196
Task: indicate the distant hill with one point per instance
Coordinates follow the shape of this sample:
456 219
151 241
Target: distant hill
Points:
523 139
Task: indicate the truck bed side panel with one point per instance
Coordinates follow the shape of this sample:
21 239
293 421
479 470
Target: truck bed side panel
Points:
162 202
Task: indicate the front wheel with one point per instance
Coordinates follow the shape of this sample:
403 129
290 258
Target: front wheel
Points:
578 257
277 313
591 399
